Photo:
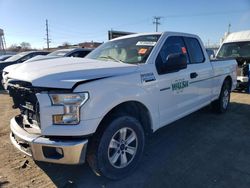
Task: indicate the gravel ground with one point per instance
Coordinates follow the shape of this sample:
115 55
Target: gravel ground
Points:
201 150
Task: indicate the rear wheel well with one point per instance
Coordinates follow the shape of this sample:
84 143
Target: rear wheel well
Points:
132 108
229 80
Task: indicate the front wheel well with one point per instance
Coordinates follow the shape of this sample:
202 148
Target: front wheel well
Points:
132 108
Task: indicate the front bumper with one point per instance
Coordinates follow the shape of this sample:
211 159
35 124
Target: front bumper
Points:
61 151
242 82
3 80
242 79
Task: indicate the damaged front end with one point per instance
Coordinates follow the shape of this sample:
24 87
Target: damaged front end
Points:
24 98
26 129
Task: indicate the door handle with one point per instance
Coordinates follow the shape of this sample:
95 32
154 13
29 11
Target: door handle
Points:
193 75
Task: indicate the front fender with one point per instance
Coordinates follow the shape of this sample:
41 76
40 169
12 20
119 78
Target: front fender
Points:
104 97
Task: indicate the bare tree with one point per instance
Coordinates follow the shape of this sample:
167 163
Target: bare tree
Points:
14 48
25 46
66 44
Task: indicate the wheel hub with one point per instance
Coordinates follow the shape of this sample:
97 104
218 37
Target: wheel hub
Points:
122 147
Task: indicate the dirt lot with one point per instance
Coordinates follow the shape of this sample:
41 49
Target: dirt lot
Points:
201 150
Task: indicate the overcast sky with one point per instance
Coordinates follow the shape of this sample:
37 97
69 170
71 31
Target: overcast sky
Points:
76 21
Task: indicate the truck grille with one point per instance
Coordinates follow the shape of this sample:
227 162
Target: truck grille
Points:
24 98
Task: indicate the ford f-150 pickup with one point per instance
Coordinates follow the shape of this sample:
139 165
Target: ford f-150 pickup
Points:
102 108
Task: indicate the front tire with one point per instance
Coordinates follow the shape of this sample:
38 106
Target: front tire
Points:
221 104
117 151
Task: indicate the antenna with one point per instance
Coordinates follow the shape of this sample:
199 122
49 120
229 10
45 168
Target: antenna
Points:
229 27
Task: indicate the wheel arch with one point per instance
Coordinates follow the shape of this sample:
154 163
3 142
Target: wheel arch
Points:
229 79
133 108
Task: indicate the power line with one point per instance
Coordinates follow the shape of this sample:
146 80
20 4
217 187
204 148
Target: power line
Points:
156 22
47 34
210 13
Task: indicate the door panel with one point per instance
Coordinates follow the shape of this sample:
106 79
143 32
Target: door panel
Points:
202 83
185 91
175 95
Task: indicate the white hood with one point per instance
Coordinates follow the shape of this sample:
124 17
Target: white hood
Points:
65 72
11 67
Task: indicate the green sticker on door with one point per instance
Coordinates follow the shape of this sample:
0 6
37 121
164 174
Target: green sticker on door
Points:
179 85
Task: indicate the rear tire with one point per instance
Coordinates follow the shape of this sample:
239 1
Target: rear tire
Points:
116 151
221 104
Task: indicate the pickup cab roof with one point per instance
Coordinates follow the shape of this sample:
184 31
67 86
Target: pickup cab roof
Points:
172 33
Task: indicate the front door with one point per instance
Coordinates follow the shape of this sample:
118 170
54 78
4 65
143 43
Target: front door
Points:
179 94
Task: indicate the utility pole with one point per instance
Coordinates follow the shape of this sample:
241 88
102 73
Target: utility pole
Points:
47 34
156 22
2 42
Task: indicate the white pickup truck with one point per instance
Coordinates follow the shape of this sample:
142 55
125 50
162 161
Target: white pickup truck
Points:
101 108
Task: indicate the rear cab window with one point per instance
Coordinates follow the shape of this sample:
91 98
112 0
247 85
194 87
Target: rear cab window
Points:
194 50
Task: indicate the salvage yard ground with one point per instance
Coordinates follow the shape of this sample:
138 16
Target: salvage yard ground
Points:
201 150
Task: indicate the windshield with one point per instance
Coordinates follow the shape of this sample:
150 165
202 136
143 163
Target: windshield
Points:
17 56
234 49
132 50
60 53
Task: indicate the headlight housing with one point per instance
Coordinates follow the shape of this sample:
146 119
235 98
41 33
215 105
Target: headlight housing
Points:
72 103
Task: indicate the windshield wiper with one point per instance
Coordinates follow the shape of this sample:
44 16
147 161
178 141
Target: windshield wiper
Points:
112 58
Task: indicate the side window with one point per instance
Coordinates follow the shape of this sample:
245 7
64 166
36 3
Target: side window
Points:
43 53
74 54
173 45
194 50
83 53
25 58
79 54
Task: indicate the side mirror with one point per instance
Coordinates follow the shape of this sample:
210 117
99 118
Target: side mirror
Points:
212 56
175 62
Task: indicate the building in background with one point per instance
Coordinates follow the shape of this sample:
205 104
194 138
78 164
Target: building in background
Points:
89 44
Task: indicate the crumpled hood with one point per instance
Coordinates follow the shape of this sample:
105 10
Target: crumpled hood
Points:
31 60
66 72
11 67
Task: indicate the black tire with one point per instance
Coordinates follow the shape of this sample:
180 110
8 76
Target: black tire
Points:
221 104
108 159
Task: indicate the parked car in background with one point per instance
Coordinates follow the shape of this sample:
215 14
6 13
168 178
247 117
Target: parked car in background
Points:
20 57
237 45
4 57
75 52
23 56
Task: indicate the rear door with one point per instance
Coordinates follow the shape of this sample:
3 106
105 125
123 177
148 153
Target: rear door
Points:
201 72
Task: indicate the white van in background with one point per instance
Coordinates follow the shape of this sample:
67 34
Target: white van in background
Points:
237 45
